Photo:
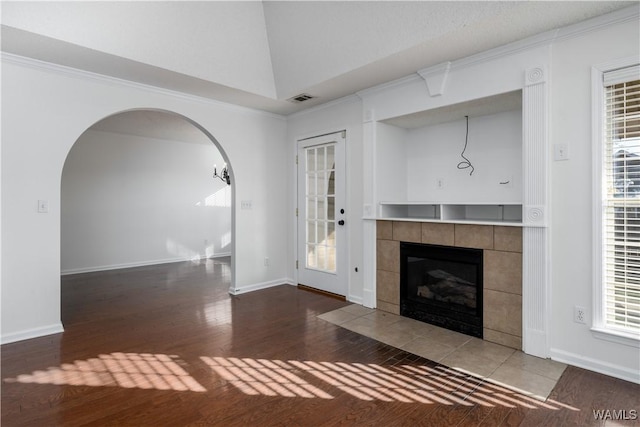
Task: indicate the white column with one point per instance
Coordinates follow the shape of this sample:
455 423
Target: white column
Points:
535 250
369 211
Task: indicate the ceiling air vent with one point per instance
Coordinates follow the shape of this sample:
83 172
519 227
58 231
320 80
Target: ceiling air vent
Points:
301 98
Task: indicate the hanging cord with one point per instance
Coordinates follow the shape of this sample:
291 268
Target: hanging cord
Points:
466 164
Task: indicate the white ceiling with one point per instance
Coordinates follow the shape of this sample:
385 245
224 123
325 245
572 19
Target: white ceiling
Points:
258 54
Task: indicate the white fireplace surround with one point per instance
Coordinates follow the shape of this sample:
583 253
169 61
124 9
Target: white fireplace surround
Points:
535 194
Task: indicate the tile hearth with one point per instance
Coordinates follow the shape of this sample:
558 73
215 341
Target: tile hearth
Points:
495 363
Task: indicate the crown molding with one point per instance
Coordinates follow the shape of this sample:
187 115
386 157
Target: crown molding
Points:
551 36
594 24
75 73
546 38
411 78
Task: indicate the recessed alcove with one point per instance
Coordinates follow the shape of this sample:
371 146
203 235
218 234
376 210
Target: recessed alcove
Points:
459 165
458 162
416 181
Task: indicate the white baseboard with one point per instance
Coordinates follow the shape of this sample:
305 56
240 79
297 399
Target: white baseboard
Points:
32 333
599 366
258 286
534 342
369 298
220 255
136 264
354 299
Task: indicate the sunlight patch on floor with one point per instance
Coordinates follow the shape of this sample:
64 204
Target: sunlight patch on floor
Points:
128 370
308 379
370 382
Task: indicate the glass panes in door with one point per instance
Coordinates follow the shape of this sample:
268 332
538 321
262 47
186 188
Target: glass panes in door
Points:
320 212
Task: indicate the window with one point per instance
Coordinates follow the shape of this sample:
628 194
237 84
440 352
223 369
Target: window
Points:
617 309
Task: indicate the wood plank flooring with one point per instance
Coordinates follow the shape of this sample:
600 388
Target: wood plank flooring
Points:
168 346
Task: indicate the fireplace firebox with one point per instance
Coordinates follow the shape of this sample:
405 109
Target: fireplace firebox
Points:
442 285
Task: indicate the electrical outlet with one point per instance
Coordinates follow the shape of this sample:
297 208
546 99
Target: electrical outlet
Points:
266 261
579 314
440 183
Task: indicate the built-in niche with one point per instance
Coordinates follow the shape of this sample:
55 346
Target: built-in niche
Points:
461 162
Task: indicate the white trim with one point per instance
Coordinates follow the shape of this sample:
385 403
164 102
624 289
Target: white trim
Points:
536 267
610 369
110 80
548 37
295 208
218 255
369 298
137 264
552 36
597 93
411 78
27 334
617 337
503 51
354 299
261 285
594 24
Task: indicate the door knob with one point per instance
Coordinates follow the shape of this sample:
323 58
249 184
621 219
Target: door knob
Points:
341 222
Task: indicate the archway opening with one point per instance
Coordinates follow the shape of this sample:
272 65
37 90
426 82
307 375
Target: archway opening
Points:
138 189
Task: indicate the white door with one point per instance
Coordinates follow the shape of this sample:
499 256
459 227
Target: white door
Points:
322 243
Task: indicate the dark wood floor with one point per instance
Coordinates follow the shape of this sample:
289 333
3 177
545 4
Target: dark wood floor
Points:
167 345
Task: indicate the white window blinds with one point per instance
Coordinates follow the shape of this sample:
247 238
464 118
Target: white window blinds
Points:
622 200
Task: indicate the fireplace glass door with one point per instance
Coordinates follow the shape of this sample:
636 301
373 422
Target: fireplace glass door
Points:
442 285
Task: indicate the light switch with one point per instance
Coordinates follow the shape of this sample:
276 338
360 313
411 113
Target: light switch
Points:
246 204
43 206
560 152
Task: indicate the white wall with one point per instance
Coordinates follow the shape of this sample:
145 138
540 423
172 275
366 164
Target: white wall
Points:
344 114
571 194
410 162
45 110
494 149
391 162
129 200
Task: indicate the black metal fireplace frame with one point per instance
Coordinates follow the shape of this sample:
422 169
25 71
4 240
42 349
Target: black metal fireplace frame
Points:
467 323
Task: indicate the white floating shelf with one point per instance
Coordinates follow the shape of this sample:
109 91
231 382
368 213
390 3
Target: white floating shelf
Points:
463 213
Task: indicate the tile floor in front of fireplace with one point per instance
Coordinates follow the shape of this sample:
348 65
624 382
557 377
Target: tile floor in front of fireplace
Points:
501 365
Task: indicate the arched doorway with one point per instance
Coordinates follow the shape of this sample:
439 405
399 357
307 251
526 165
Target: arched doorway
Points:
138 189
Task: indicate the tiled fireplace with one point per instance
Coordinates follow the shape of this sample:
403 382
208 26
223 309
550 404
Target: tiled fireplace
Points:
502 269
